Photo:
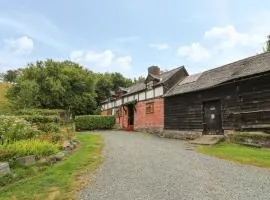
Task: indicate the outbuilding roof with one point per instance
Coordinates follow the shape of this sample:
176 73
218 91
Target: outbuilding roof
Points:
211 78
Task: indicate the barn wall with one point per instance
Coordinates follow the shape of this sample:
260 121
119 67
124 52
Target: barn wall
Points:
244 104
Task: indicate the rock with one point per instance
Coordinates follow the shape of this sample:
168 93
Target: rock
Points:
60 155
57 157
66 144
42 161
4 168
74 144
26 160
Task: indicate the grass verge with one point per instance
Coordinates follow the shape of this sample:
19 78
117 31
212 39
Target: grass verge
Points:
61 180
241 154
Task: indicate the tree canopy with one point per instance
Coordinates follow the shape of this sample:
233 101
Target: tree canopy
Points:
11 75
110 82
63 85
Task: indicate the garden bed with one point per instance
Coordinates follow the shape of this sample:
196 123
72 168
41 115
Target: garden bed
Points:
31 142
58 181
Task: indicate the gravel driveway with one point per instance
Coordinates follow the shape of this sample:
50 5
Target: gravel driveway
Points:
139 166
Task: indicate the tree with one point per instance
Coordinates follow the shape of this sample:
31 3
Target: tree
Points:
139 79
109 82
267 46
11 75
118 80
103 89
55 85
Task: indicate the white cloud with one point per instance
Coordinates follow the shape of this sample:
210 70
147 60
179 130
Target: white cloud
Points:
20 46
159 46
105 61
224 44
195 52
15 52
123 62
102 59
229 37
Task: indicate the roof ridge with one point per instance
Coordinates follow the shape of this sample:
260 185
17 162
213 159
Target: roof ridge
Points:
137 83
237 61
252 65
172 88
172 70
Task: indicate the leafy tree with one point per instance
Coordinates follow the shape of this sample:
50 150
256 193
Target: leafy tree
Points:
139 79
267 47
63 85
118 80
53 84
103 89
109 82
11 75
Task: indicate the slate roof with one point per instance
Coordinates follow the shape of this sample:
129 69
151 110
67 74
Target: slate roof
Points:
211 78
163 77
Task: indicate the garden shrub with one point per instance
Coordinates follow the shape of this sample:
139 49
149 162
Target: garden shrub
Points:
21 148
46 112
13 129
94 122
5 155
41 118
49 127
52 137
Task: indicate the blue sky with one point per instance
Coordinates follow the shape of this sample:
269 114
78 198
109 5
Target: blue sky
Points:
128 36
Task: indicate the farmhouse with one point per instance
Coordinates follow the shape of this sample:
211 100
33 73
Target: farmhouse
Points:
235 96
141 106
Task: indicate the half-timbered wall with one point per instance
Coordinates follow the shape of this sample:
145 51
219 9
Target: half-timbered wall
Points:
145 95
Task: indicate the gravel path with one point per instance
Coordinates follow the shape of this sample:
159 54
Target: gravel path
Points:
142 167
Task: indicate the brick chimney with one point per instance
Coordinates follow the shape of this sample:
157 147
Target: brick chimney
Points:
155 70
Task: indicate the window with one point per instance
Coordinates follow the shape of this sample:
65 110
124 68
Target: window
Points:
149 108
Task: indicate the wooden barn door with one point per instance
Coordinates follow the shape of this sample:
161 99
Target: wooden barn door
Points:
212 118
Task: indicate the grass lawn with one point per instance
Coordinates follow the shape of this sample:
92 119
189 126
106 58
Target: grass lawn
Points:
61 180
242 154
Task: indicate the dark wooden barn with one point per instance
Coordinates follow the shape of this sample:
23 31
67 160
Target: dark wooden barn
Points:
231 97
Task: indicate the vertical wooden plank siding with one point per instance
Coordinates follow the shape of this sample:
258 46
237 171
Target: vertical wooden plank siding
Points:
244 103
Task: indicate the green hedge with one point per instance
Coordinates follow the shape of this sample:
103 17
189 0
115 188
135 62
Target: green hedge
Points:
42 119
39 112
94 122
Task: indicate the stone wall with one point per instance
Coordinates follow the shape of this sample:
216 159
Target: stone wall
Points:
184 135
153 130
